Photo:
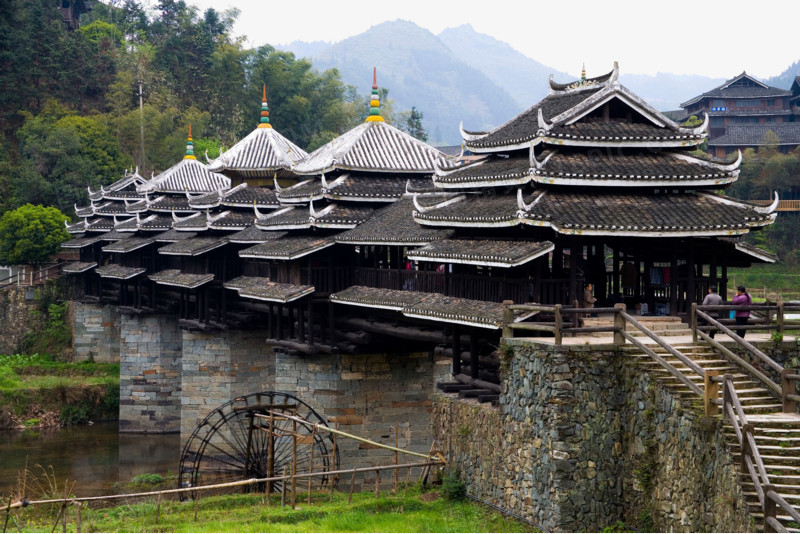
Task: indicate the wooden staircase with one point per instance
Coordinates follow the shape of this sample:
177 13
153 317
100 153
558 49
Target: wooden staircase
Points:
663 326
777 435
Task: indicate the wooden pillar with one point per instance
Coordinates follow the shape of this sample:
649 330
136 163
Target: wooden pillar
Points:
723 281
673 284
206 304
310 330
279 324
690 291
301 323
331 325
456 349
573 274
291 315
473 355
615 281
270 320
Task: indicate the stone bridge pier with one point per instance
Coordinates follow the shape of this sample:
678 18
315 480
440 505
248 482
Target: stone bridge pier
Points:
171 378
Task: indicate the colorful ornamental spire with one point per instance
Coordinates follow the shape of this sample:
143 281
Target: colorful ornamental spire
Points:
374 103
264 111
189 146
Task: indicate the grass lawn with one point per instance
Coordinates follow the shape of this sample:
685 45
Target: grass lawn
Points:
763 279
36 388
416 512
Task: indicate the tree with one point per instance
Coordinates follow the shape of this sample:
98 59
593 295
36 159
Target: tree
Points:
68 152
411 123
30 235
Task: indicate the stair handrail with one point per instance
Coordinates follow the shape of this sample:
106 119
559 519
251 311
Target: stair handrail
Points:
752 464
33 276
619 328
785 390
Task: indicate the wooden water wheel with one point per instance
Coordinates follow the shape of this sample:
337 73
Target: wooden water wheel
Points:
247 438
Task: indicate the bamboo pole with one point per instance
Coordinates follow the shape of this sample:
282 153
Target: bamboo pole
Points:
283 490
351 436
294 461
396 456
352 484
199 489
311 464
78 507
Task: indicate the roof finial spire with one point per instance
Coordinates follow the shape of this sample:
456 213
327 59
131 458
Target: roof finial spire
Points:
264 110
583 72
374 103
189 146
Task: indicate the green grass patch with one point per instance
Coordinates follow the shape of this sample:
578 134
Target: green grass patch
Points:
763 279
34 385
253 513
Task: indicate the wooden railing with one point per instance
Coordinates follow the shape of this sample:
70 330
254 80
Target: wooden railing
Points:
33 277
783 205
751 462
618 329
786 390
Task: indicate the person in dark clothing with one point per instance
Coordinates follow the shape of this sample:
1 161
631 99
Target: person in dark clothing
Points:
712 299
742 298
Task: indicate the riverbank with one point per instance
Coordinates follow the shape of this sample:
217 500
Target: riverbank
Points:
412 511
37 391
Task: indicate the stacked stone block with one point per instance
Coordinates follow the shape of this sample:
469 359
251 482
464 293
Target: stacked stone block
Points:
219 366
96 334
150 374
368 395
583 439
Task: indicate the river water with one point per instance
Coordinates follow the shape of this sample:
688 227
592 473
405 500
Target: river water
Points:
99 459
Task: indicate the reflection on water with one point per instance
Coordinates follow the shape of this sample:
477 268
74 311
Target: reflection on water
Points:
96 457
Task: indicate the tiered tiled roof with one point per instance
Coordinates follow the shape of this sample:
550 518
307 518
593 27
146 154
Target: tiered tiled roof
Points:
290 247
194 246
756 135
119 272
372 147
431 306
264 153
557 119
641 214
124 246
392 225
259 288
487 252
78 267
741 86
174 277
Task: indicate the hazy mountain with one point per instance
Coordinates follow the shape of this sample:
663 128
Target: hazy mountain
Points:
522 77
304 49
462 75
785 79
419 70
666 92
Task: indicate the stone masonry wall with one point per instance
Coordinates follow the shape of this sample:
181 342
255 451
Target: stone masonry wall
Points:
583 439
96 332
150 370
368 394
218 367
16 317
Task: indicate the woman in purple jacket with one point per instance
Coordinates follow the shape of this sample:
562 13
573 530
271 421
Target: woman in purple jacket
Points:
742 298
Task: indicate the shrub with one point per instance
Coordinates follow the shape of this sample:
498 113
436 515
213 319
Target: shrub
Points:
453 488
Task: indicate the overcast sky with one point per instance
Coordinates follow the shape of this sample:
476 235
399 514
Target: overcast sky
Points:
714 38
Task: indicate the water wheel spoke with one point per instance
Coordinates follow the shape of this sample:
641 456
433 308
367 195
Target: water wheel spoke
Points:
231 442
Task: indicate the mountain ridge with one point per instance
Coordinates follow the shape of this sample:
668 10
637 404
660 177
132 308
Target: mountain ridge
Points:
463 76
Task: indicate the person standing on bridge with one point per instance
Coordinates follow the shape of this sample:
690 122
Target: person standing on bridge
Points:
742 298
712 299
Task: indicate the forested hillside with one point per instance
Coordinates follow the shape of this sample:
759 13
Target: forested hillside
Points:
70 114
